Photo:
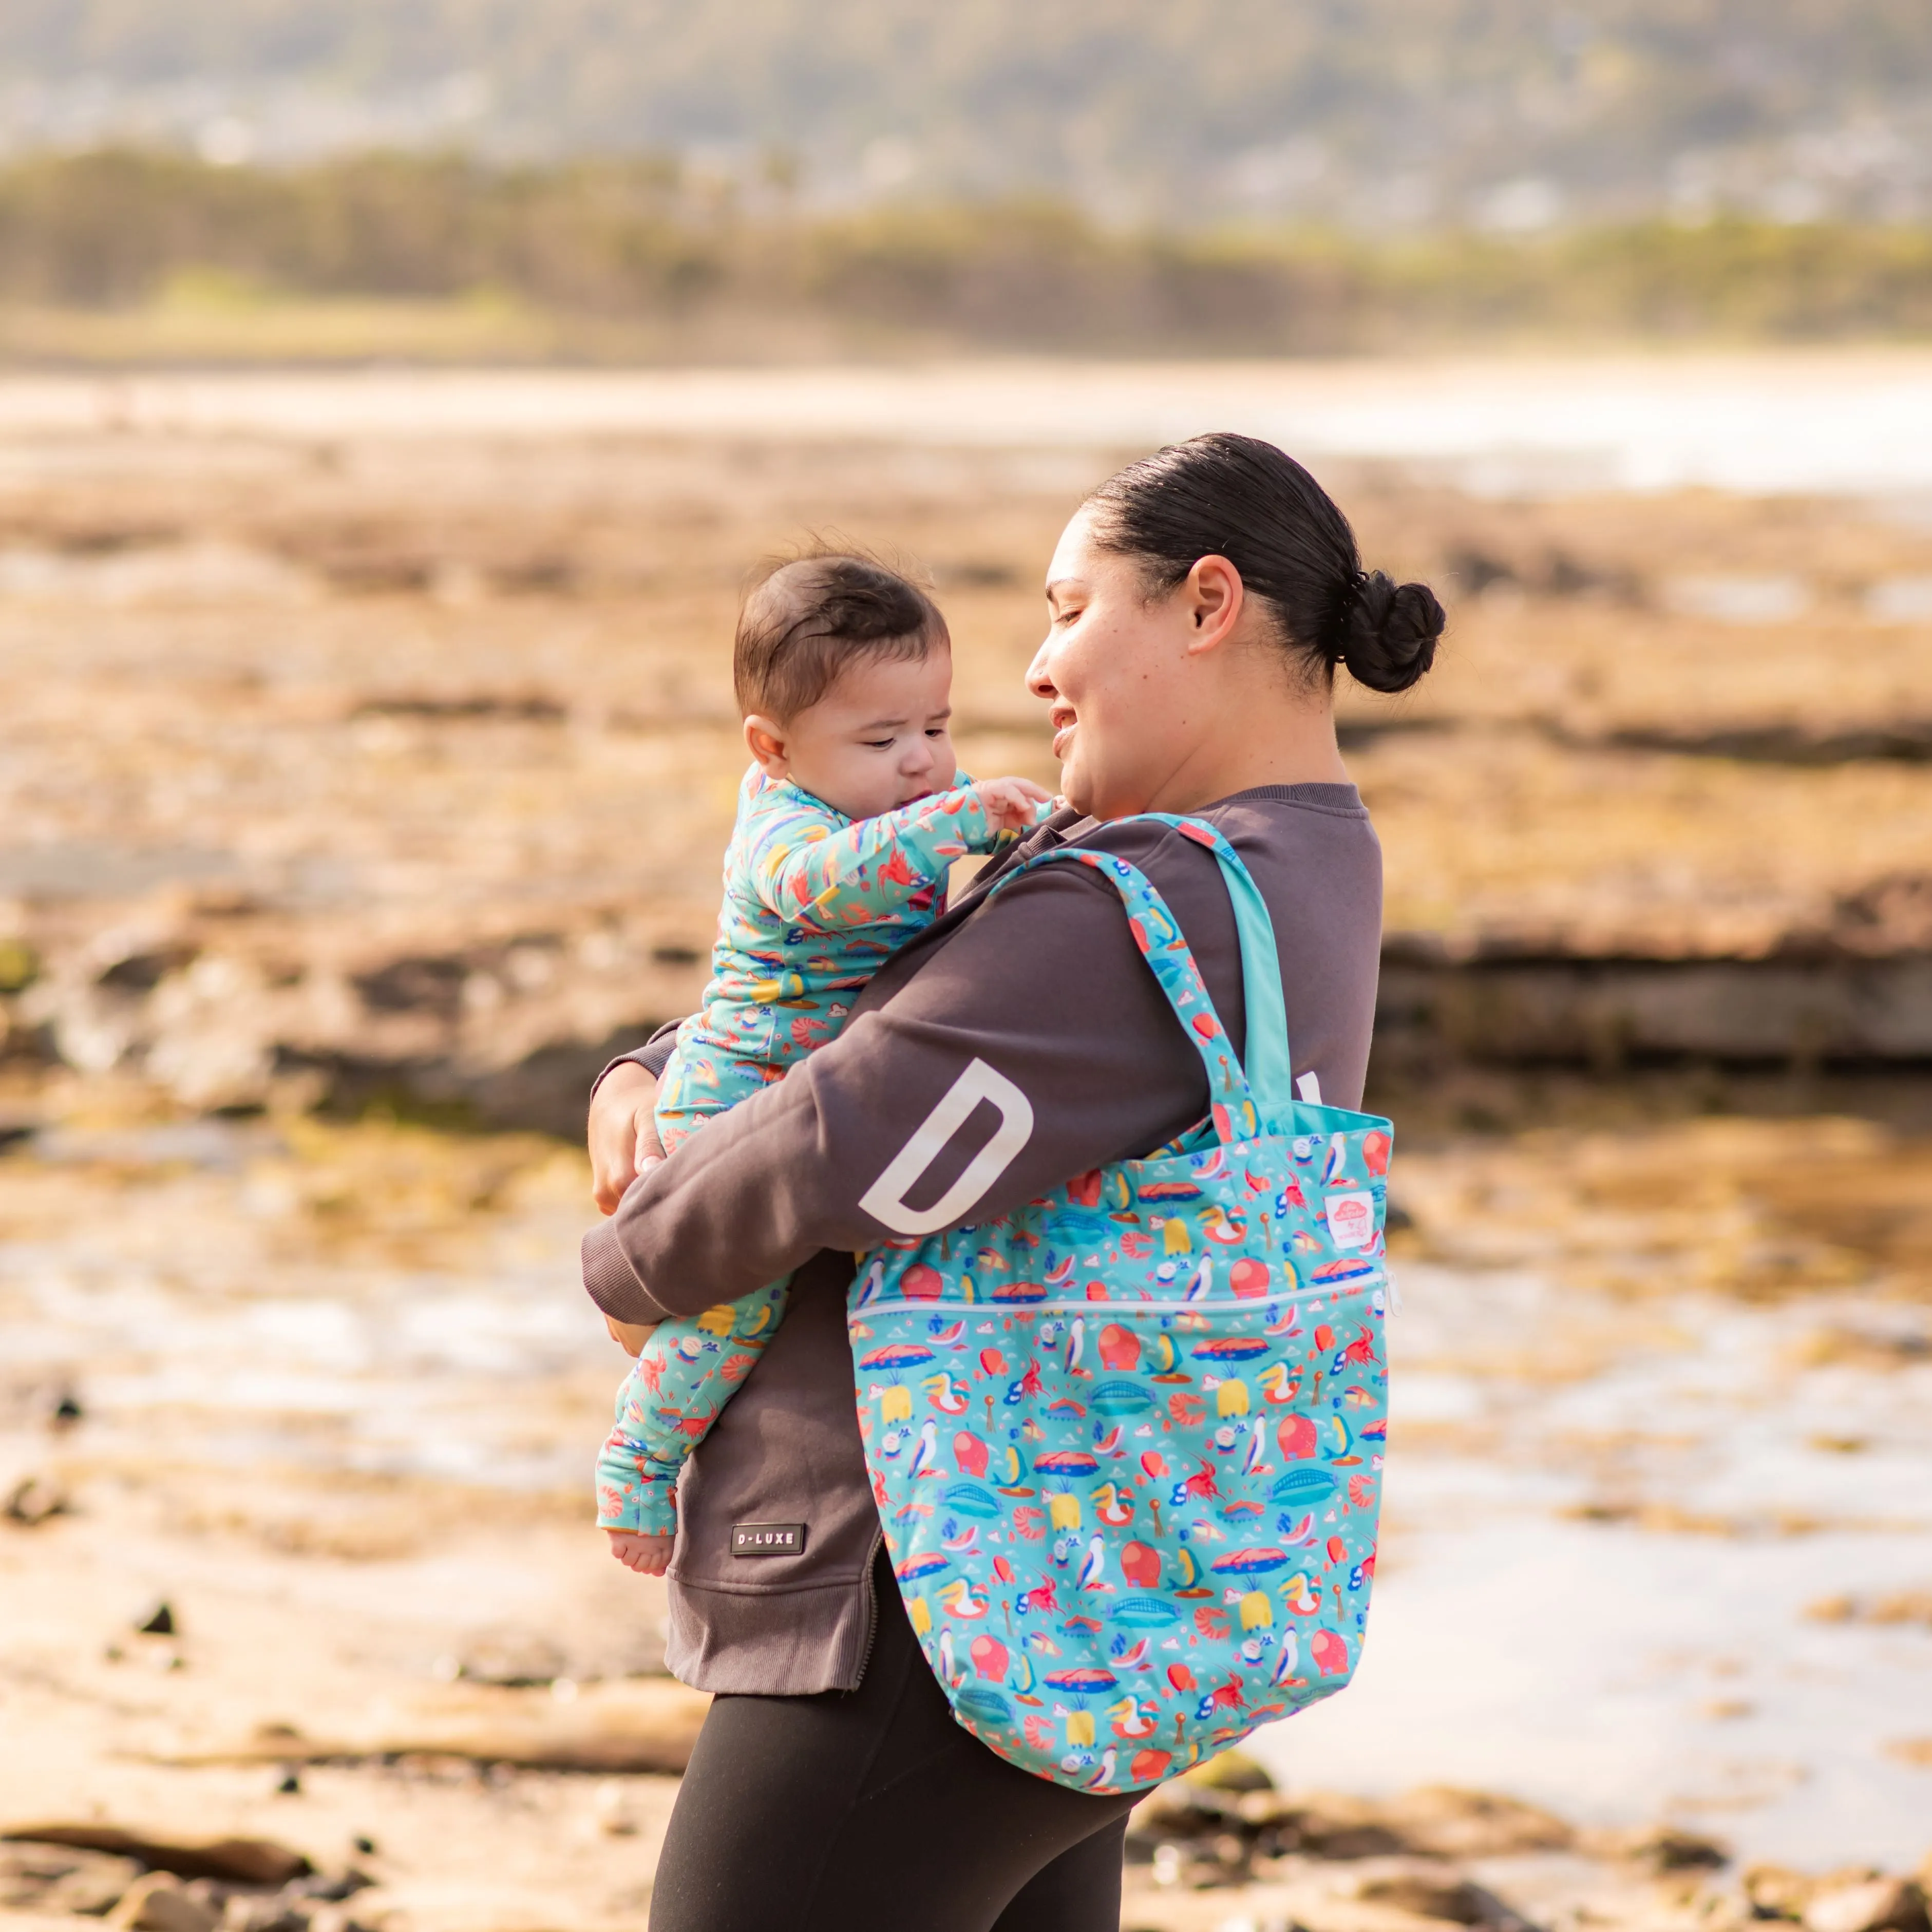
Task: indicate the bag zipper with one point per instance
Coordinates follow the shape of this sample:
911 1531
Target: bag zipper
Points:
1252 1303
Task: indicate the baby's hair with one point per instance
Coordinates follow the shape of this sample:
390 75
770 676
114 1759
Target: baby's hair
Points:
807 618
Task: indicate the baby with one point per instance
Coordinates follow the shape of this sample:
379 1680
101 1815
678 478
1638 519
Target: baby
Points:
848 821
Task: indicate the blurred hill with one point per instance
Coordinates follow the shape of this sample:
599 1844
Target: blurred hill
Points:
1509 115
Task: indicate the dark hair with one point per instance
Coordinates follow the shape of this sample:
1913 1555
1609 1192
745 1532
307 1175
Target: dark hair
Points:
1235 496
808 618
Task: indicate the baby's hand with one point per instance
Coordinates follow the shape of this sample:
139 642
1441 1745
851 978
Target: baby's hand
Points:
649 1556
631 1337
1013 805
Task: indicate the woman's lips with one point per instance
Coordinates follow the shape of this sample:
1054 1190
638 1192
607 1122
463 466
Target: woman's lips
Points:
1063 728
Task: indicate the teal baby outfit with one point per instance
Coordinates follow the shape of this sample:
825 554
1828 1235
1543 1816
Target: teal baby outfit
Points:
814 903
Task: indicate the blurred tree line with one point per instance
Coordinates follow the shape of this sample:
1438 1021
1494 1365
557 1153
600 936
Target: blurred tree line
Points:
636 242
1331 110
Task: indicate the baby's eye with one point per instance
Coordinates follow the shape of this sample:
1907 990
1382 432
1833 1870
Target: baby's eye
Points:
876 744
935 730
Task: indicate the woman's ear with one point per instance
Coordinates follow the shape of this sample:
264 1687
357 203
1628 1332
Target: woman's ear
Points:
767 745
1213 597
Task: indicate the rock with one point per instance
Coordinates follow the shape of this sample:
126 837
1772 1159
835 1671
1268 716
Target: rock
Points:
33 1499
642 1725
1232 1770
157 1903
335 1919
1449 1822
1775 1892
1874 1904
158 1620
1327 1825
1193 1834
515 1658
332 1887
57 1878
1182 1809
1664 1848
245 1912
1430 1895
235 1860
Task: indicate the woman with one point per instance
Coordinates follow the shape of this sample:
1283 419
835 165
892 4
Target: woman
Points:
1199 603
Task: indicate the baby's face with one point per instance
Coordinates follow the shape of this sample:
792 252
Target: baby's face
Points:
879 738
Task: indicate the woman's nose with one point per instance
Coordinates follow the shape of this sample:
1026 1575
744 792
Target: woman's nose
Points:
1039 679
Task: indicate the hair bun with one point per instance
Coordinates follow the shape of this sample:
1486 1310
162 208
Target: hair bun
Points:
1389 633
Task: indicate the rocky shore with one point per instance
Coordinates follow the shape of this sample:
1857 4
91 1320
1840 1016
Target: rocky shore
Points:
344 767
1221 1851
362 790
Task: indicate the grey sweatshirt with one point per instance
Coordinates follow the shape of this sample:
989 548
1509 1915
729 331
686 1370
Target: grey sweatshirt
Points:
1040 986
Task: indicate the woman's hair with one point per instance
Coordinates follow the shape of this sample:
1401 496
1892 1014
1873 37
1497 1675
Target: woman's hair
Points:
1224 495
806 620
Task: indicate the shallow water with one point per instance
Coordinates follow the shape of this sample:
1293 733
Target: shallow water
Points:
1607 1523
1831 421
1608 1516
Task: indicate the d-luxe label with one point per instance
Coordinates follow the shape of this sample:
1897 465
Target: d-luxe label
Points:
767 1539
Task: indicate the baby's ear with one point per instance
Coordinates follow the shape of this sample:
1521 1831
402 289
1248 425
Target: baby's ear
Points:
767 745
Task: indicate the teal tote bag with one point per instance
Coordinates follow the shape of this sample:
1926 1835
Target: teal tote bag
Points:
1127 1440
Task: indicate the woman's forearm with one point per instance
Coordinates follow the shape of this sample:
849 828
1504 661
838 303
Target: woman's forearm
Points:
1038 1020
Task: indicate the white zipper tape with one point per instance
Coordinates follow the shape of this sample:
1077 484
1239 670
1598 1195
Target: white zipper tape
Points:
1251 1304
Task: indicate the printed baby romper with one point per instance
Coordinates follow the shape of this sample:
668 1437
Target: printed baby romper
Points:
814 902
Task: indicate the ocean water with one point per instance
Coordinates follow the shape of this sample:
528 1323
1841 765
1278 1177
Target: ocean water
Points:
1843 422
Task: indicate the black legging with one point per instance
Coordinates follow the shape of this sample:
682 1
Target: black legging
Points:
872 1810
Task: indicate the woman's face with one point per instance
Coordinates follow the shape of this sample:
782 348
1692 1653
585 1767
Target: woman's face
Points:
1126 699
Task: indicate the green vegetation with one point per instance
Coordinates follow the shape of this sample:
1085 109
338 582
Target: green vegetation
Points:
609 259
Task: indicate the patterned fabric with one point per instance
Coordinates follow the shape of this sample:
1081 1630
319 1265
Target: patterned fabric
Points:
813 903
1127 1441
684 1374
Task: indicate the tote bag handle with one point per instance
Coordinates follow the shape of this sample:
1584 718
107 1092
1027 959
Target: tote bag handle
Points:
1269 1064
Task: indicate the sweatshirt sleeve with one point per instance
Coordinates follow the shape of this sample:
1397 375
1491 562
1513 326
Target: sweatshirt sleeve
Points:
847 877
1043 987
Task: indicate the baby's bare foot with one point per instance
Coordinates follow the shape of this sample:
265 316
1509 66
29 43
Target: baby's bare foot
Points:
649 1556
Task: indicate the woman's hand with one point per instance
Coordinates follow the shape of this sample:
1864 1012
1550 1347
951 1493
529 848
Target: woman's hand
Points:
622 1133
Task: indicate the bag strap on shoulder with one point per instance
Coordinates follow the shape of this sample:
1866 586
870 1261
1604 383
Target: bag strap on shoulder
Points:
1270 1064
1243 1097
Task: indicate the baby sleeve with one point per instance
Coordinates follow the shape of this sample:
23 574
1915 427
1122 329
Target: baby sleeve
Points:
834 878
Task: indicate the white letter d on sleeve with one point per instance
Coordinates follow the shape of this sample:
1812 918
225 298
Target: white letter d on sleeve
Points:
885 1199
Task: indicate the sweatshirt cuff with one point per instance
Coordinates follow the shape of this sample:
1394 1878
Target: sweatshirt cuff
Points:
654 1056
610 1281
